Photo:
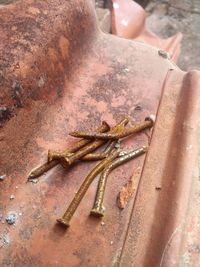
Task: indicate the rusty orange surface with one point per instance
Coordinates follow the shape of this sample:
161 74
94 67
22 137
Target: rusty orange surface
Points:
60 73
129 21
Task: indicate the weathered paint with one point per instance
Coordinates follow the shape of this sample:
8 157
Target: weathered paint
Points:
60 73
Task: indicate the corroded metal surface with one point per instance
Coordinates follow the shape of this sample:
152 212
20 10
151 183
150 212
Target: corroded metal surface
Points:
160 225
60 73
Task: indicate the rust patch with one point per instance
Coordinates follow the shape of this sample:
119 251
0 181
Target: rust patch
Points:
53 57
128 189
64 46
33 10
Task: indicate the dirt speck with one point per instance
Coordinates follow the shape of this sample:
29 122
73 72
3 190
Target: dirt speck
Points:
158 188
163 53
12 197
4 240
11 218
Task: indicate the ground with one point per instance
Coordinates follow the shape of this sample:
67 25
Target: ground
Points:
166 17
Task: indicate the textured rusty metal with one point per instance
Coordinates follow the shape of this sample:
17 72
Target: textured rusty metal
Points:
60 73
160 225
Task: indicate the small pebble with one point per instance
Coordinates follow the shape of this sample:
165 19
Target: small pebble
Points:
2 177
20 214
102 223
158 187
16 187
12 197
11 218
163 54
111 242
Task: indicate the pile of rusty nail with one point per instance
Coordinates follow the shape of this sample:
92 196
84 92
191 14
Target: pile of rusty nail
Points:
110 158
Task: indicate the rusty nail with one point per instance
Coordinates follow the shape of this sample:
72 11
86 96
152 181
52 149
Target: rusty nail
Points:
78 145
56 155
42 169
65 220
147 123
49 165
98 209
66 161
102 155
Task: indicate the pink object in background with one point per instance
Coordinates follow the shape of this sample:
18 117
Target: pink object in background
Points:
128 21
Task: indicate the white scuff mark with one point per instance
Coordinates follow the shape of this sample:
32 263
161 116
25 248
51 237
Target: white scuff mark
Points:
124 22
115 5
168 244
189 147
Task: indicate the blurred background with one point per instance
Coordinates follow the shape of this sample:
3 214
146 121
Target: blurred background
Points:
167 17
